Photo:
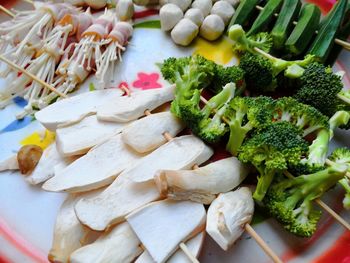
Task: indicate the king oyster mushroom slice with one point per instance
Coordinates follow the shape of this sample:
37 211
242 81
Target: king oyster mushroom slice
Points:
146 134
119 199
227 216
68 231
162 226
10 163
99 167
194 245
50 163
132 107
201 185
179 153
80 137
118 246
75 108
125 195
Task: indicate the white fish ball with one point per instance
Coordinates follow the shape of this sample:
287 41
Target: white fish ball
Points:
195 15
224 10
212 28
184 32
183 4
170 15
125 10
204 5
234 3
145 2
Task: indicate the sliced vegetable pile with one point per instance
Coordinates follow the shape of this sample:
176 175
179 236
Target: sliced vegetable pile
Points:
279 136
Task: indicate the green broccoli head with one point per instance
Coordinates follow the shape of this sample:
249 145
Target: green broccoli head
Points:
271 149
243 115
208 123
319 87
290 200
243 43
189 74
258 73
226 75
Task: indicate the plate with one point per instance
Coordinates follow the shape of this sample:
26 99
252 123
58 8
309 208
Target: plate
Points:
27 213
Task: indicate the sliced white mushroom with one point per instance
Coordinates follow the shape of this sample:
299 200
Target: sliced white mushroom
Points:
183 4
212 27
194 245
223 9
122 197
162 226
75 108
79 138
195 15
184 32
169 15
180 153
124 10
10 163
201 185
99 167
118 246
68 232
129 108
50 163
227 216
146 134
204 5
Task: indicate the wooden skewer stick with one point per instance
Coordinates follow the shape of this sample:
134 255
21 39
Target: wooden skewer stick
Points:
338 41
248 228
6 11
325 207
30 75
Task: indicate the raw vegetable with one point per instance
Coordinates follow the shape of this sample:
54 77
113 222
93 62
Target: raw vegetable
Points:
262 22
289 11
28 157
304 30
244 12
290 200
324 40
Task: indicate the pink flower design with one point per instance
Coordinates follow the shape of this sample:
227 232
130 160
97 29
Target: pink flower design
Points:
147 81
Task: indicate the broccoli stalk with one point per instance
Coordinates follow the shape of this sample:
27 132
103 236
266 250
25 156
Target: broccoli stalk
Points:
243 115
271 149
342 156
339 119
244 43
290 200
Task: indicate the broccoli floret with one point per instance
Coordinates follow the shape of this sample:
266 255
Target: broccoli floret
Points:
226 75
243 115
262 69
342 156
189 74
313 124
258 73
243 43
271 150
319 87
290 200
211 127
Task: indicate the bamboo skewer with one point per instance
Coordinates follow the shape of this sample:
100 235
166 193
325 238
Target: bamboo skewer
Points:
33 77
248 228
325 207
6 11
338 41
